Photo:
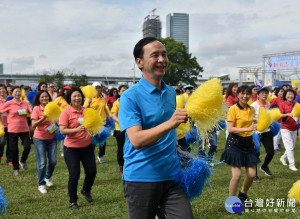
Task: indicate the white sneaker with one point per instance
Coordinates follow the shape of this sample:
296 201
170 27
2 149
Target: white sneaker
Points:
101 159
43 189
283 161
293 168
49 182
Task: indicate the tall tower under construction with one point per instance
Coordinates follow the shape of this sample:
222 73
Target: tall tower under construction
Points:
152 25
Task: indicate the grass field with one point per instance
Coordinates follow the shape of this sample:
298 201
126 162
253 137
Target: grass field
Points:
25 201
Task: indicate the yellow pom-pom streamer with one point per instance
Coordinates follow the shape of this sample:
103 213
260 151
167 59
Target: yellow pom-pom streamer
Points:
182 129
269 98
275 114
296 110
180 101
52 111
92 121
2 132
264 119
206 106
295 191
89 91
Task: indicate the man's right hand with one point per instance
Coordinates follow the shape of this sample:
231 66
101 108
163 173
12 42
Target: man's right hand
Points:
178 117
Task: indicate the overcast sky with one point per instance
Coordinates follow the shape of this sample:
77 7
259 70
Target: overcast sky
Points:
96 37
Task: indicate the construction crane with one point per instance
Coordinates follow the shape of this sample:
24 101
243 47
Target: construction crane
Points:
153 11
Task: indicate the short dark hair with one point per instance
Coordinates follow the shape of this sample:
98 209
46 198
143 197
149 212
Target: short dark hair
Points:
277 89
69 94
244 88
111 91
15 87
121 86
3 85
40 84
288 90
36 101
138 51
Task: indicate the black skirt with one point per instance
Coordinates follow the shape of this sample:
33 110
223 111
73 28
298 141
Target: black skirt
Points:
239 151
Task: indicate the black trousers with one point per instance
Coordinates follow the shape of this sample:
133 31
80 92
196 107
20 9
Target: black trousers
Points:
14 148
73 157
266 139
120 137
144 198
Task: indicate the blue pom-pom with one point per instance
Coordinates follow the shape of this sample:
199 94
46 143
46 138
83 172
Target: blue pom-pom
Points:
9 98
192 179
190 139
275 128
256 139
3 202
101 138
59 136
110 124
30 97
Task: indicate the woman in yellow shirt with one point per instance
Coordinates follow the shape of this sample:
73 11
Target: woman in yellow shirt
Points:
239 151
120 136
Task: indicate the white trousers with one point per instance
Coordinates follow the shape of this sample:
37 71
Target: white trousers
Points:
277 140
289 141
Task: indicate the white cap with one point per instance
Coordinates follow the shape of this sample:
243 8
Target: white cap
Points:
96 84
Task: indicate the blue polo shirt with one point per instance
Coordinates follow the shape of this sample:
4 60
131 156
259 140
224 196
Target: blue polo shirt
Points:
147 106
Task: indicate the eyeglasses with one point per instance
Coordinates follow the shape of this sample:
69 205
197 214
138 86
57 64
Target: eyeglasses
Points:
51 86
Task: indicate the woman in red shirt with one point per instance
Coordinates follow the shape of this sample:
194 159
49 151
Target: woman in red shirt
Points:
288 128
77 147
44 141
112 97
231 94
17 126
279 98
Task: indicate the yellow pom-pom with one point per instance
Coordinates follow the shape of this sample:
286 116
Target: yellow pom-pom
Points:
182 129
264 119
180 101
250 102
269 98
23 96
92 121
296 110
275 114
295 191
186 97
52 111
89 91
206 106
2 132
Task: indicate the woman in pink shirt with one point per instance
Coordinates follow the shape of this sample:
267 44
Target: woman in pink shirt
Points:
44 141
77 147
17 126
4 139
231 94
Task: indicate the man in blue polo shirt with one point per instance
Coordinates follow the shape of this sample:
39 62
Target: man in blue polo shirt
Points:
149 116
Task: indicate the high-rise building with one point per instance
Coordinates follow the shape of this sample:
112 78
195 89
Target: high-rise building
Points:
1 69
178 27
152 26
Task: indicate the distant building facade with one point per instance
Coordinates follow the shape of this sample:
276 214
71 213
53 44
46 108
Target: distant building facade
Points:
178 27
152 26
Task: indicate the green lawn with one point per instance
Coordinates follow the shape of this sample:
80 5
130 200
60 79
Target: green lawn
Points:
25 201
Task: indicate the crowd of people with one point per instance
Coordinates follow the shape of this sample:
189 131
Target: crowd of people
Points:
26 120
145 119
